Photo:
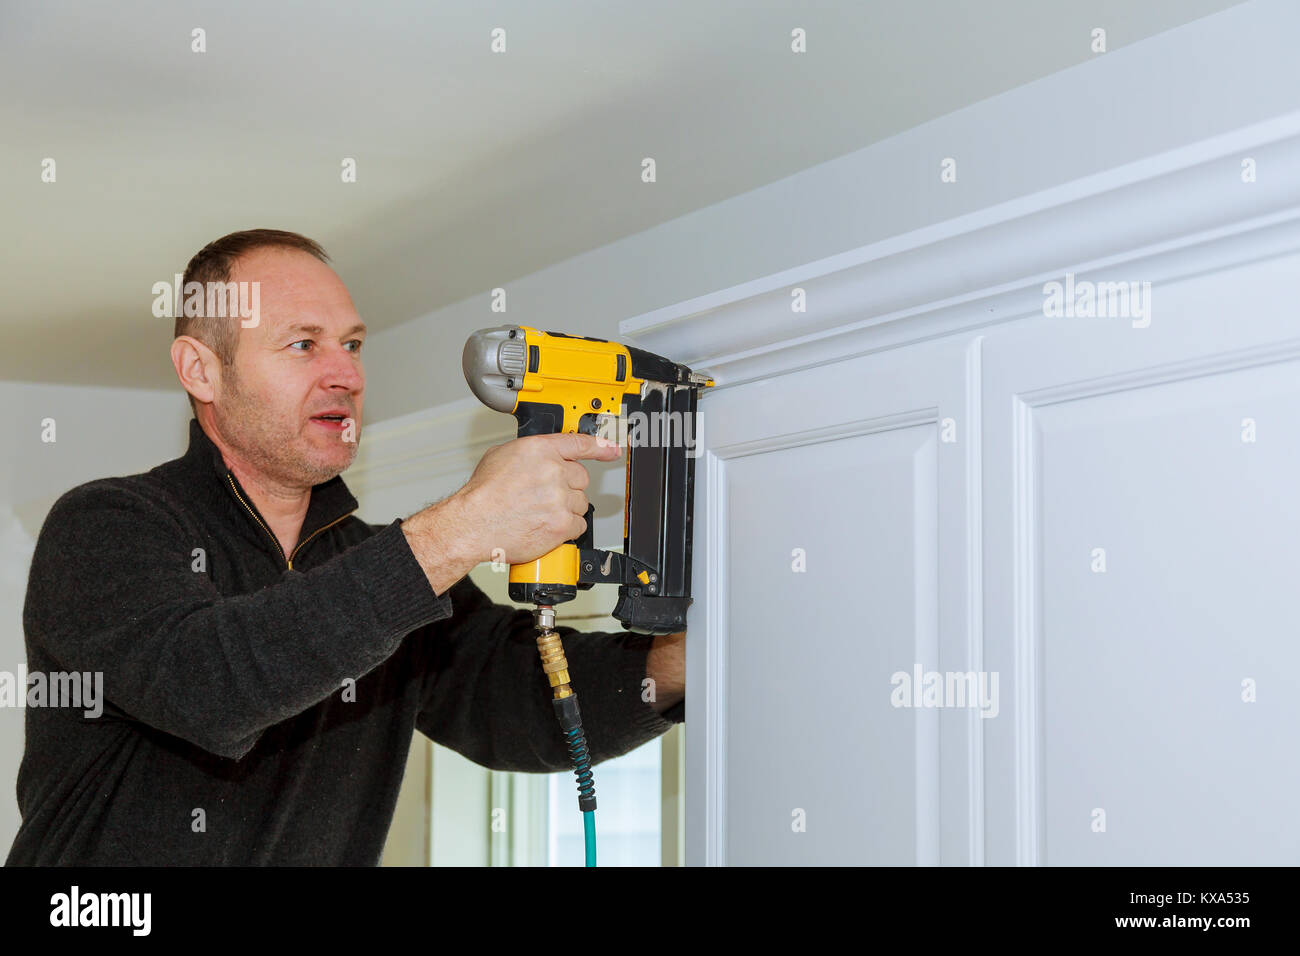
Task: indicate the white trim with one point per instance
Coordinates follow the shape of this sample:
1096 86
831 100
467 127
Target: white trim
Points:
989 266
1031 833
974 524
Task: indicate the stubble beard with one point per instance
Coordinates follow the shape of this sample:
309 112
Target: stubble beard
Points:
274 447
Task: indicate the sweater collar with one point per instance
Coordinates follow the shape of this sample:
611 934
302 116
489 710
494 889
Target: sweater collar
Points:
330 500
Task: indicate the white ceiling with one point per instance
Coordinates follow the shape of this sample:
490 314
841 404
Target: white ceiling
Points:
473 168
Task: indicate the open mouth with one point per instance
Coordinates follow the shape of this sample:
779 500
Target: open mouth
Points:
334 420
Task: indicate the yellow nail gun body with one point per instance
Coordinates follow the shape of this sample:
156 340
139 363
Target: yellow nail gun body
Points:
552 382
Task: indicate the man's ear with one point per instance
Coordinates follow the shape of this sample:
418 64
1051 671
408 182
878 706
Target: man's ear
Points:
197 366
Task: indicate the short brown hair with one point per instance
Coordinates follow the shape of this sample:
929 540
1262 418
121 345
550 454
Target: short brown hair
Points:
213 263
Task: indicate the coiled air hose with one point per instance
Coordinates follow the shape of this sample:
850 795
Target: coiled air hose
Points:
565 703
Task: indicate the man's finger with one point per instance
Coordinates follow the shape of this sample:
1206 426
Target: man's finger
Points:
577 476
574 446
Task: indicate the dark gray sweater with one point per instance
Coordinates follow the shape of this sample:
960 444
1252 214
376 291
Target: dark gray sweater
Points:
225 677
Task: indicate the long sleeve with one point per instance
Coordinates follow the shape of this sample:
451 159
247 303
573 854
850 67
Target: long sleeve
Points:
112 590
485 695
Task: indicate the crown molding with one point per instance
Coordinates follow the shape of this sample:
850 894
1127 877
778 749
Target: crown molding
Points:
1179 213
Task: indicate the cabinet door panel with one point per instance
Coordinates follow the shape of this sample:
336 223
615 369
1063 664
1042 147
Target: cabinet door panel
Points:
806 713
1142 539
833 550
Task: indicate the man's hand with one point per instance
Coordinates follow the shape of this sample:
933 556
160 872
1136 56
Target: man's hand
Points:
525 498
666 666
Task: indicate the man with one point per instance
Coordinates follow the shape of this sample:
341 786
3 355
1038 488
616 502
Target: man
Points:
266 655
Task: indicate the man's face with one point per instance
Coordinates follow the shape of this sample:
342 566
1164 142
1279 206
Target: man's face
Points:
302 360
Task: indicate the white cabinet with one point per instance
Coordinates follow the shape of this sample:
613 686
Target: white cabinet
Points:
1080 535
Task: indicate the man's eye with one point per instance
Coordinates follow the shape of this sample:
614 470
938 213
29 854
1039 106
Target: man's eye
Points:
357 343
301 342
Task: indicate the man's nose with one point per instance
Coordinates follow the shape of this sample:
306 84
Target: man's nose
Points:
344 370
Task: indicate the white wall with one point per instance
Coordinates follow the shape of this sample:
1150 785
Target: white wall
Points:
99 432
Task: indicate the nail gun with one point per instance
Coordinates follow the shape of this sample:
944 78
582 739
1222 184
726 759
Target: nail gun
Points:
553 383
